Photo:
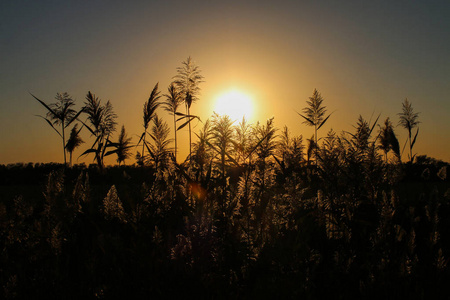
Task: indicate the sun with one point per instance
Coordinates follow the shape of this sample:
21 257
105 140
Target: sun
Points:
235 104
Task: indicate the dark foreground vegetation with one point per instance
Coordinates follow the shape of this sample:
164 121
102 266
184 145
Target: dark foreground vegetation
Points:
350 227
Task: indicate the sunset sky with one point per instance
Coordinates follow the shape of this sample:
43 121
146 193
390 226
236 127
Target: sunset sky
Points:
364 57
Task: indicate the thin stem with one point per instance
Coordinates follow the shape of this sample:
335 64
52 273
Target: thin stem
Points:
64 143
143 149
190 141
410 147
315 142
175 131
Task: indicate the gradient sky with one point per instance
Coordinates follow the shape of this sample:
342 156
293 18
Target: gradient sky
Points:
364 57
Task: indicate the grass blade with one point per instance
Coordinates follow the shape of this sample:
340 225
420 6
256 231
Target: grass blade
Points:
50 123
75 117
45 105
323 122
415 138
307 119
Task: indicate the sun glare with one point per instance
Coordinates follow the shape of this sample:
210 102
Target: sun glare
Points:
235 104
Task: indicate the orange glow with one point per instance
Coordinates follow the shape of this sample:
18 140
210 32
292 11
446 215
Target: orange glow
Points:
198 191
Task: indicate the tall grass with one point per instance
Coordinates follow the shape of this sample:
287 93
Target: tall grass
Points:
246 215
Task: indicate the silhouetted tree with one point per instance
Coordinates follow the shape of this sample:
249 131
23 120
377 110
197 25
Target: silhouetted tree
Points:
171 104
60 113
187 81
74 140
409 121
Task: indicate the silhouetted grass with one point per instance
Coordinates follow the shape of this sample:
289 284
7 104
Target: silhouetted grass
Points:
246 215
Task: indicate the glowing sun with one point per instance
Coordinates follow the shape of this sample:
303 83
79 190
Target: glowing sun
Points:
235 104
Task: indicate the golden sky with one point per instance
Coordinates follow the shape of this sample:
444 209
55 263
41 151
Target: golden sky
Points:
364 60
